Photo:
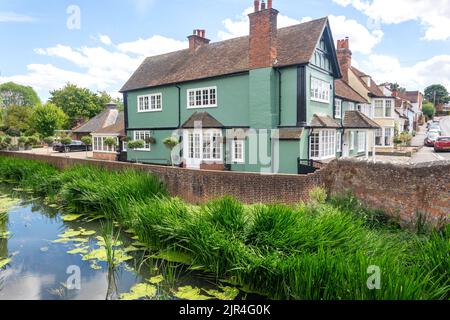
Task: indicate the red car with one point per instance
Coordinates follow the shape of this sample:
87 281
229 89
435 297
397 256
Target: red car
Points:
442 144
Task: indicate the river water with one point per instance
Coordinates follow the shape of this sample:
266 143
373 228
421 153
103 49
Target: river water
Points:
44 257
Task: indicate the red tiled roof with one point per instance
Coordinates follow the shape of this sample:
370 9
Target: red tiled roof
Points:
296 45
373 89
344 91
357 120
324 122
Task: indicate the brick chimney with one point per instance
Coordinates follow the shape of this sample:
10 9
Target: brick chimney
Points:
263 35
344 55
197 40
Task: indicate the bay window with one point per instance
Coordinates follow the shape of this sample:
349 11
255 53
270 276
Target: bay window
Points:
323 144
205 145
99 145
384 137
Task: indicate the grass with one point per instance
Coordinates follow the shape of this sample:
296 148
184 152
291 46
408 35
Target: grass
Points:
320 250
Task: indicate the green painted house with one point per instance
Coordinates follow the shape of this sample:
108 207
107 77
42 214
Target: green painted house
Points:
260 103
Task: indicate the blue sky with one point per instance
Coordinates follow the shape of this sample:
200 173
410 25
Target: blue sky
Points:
405 41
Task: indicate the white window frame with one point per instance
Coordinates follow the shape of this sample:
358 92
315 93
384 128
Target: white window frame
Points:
326 145
202 100
234 155
339 141
352 140
337 108
362 141
142 135
205 147
320 90
351 106
383 108
143 107
98 144
382 134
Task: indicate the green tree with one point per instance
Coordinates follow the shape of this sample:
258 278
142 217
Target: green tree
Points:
18 117
428 109
79 103
437 93
48 118
12 94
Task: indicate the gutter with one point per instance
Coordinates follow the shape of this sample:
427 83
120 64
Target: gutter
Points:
279 96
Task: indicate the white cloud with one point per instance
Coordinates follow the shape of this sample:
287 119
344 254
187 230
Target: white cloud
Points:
434 15
97 68
362 39
105 39
385 68
14 17
152 46
240 26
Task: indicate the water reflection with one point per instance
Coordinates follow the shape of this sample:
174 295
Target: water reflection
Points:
38 266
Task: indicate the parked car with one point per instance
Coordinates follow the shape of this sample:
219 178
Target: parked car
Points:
431 138
74 146
442 144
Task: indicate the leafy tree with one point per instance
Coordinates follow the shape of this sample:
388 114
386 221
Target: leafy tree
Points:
48 118
428 109
396 86
12 94
437 93
18 117
66 141
79 103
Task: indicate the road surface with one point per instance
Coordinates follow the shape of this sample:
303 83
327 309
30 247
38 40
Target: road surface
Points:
427 154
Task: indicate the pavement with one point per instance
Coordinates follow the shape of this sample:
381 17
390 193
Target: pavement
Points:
50 152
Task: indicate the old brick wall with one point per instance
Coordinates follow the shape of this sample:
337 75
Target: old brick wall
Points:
400 190
197 186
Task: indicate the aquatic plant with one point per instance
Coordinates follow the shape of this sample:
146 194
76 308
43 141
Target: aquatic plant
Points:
310 251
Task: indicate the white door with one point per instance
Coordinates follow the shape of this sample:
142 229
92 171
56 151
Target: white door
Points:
192 147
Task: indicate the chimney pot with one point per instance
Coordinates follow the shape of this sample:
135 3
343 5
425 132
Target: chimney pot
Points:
256 5
263 5
269 4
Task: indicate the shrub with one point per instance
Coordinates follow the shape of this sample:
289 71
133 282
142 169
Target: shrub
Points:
87 140
111 142
318 195
66 141
49 140
137 144
171 142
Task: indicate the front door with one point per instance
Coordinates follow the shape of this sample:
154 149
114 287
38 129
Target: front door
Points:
346 145
193 143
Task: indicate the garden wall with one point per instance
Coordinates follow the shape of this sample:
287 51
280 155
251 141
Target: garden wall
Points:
400 190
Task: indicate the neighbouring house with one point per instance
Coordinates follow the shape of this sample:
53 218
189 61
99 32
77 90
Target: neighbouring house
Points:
104 119
102 150
353 110
259 103
380 107
405 112
416 99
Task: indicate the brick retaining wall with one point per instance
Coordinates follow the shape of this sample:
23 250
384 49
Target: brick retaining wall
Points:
400 190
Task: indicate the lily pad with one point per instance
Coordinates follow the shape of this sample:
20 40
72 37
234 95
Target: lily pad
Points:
190 293
82 250
4 262
139 291
95 266
71 217
228 293
156 279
